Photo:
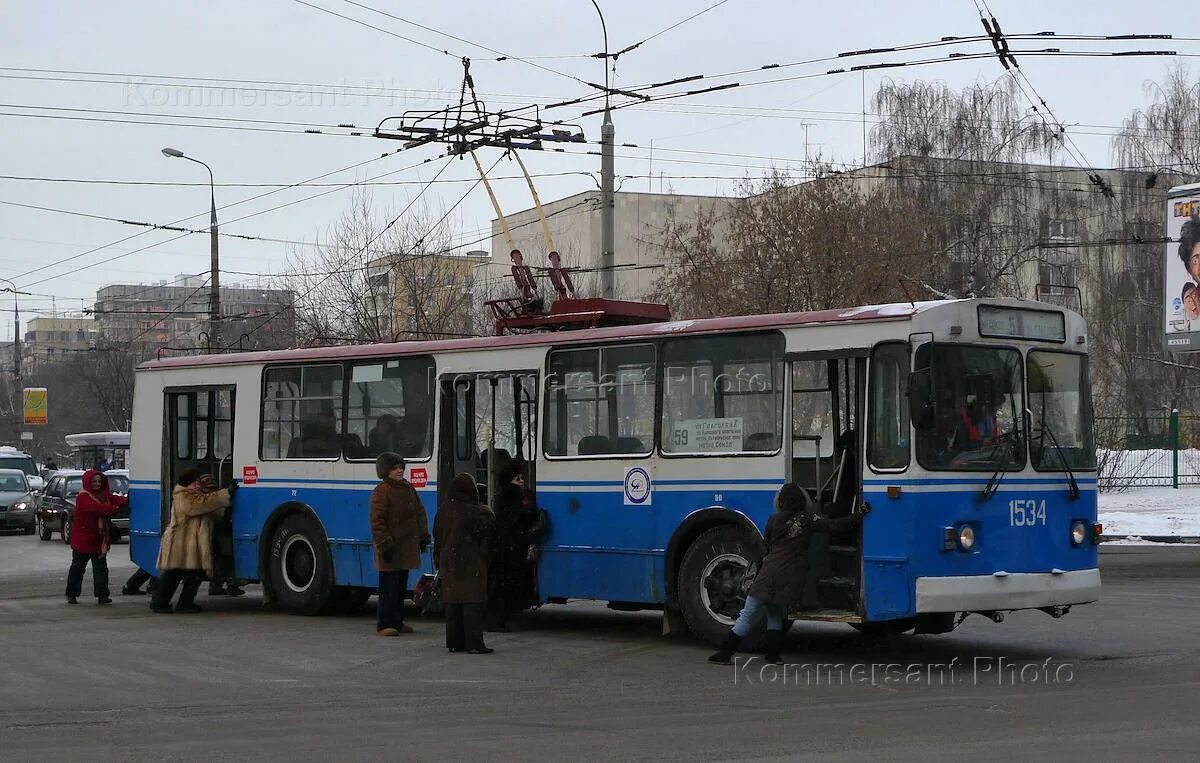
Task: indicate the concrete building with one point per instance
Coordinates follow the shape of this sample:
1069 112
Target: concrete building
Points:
147 317
441 285
574 224
48 340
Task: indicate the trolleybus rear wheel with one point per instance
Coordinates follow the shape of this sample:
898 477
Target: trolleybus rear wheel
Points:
300 567
708 583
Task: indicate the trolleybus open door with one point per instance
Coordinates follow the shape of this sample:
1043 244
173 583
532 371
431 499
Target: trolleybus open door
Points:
487 421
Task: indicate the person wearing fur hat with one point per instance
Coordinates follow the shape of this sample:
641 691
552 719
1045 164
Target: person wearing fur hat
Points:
185 552
462 531
399 533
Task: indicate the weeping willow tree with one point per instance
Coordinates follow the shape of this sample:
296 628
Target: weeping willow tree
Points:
1164 135
970 159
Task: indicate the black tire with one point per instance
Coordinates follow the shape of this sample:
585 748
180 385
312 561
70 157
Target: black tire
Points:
299 566
29 530
66 530
43 532
706 587
887 629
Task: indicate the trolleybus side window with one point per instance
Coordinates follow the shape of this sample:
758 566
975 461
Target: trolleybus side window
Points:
1061 413
390 408
723 394
888 446
600 401
975 404
301 412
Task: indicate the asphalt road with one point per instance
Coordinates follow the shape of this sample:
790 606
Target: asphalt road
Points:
582 682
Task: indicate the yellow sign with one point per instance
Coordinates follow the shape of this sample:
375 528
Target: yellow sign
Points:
35 406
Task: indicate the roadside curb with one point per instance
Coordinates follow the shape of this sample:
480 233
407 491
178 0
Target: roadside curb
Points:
1185 539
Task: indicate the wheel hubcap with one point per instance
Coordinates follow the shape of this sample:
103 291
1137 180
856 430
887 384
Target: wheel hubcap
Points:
719 584
299 563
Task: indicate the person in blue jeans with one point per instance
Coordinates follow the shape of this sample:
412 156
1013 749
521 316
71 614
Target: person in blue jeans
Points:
780 582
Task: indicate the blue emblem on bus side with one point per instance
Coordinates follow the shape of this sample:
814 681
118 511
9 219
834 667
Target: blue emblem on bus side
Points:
637 487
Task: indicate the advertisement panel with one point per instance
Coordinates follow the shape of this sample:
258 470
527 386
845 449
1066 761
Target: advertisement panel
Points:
35 406
1181 270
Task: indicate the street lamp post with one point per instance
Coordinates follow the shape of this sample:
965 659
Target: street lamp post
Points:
214 293
608 135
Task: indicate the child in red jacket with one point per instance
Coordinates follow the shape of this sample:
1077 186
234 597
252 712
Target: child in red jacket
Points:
90 537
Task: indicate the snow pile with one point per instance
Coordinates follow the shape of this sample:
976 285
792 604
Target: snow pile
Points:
1146 468
1151 512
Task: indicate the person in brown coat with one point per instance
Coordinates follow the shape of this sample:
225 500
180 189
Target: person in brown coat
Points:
399 532
780 582
185 551
462 530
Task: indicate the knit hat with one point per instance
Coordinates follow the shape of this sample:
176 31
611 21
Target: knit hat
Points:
386 462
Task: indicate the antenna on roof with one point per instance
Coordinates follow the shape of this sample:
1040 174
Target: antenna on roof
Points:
905 290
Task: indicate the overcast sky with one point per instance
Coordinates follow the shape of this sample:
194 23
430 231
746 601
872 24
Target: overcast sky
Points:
144 49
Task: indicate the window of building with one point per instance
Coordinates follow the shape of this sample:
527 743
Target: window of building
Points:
601 401
302 412
391 408
1060 229
723 394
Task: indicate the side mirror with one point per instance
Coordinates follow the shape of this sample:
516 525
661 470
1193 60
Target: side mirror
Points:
920 399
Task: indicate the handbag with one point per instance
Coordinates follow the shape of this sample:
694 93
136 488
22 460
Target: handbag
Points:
748 577
427 594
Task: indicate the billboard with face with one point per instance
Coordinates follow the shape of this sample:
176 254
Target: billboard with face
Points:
1181 301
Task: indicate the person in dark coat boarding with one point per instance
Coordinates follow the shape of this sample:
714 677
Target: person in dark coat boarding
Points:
780 582
462 531
399 532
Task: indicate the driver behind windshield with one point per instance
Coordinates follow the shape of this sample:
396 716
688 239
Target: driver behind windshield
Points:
978 413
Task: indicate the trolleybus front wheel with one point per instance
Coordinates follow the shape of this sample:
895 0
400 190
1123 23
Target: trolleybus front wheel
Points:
299 565
709 581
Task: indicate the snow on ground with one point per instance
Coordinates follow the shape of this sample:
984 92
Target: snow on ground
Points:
1145 512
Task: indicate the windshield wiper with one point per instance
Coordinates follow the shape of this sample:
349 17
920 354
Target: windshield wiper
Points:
1073 491
993 484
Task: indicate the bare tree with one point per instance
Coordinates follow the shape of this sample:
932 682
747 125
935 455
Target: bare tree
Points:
786 247
965 156
1164 135
366 280
106 375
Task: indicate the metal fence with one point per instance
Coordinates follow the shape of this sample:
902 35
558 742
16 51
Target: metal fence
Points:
1148 451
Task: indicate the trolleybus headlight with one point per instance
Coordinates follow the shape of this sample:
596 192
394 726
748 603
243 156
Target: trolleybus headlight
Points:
966 537
1078 532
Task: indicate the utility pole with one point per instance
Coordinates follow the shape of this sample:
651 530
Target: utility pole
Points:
16 349
608 135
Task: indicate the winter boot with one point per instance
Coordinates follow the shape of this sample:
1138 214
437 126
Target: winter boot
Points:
774 644
724 654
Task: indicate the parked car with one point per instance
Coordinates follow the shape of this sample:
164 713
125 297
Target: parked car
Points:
16 501
56 505
11 458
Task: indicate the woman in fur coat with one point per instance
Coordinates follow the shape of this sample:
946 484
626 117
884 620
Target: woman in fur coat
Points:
185 552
